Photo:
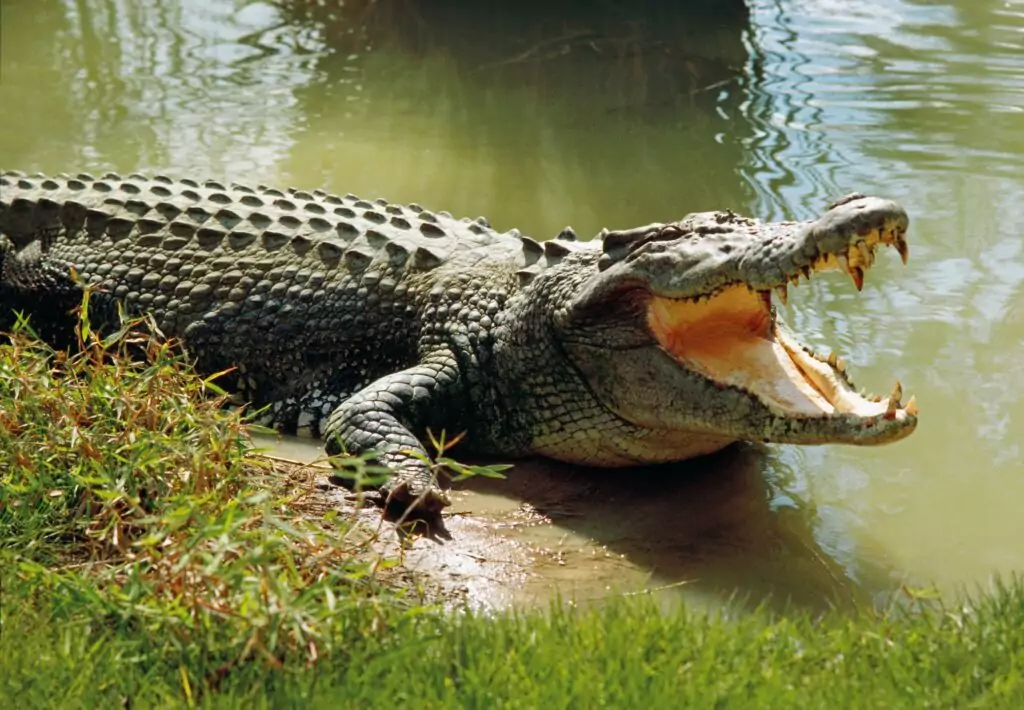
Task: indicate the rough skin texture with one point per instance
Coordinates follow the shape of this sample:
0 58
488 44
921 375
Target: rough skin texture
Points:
367 323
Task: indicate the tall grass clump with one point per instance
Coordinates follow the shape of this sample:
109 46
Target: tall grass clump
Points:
130 501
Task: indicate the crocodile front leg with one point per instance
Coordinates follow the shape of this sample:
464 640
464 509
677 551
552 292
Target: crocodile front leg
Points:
381 418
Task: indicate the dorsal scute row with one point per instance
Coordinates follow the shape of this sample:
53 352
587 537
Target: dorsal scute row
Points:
179 214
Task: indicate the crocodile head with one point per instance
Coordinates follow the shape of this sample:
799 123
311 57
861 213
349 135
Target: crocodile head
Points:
677 332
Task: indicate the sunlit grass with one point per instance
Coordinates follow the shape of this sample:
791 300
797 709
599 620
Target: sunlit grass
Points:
149 558
130 495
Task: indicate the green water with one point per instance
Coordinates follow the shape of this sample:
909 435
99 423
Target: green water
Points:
593 120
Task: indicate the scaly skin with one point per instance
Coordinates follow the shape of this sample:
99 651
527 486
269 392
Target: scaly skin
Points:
368 323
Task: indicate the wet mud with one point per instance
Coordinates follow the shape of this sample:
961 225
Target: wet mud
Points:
706 532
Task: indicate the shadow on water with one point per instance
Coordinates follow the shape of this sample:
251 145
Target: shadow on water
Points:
650 34
706 531
725 529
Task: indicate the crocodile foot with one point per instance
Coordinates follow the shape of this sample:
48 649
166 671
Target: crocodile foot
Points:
414 505
411 502
413 494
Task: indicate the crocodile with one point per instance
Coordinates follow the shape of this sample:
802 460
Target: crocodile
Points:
371 324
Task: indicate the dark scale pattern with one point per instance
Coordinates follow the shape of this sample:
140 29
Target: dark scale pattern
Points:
358 321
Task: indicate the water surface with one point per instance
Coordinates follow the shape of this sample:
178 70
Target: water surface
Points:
618 119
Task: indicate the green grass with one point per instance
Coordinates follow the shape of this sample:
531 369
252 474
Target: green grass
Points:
148 558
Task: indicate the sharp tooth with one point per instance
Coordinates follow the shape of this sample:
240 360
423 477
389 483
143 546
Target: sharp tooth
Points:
857 274
783 295
911 407
807 271
894 398
844 263
795 279
832 359
841 364
903 248
865 254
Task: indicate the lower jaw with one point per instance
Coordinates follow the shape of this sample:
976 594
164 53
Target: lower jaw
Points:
807 401
846 417
801 398
847 429
832 395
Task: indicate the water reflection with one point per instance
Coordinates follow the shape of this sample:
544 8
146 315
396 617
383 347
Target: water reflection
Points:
151 86
937 85
626 113
529 118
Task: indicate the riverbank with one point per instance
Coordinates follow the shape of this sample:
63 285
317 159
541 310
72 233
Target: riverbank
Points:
149 557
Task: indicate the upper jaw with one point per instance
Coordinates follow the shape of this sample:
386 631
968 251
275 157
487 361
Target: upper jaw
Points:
845 238
707 252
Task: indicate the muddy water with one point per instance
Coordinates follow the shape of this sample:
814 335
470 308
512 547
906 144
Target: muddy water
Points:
620 119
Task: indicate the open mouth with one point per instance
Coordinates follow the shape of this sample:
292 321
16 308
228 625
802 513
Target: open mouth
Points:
732 337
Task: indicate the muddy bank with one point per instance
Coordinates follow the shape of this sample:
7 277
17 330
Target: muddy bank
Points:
704 532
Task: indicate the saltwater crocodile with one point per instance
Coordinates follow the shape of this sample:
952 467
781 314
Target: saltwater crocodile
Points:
368 323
